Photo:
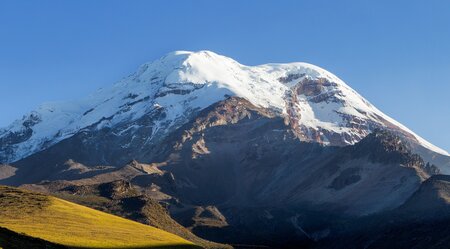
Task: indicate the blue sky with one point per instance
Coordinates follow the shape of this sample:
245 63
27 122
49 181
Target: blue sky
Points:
394 53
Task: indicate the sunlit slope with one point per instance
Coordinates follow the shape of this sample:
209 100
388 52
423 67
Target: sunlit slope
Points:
69 224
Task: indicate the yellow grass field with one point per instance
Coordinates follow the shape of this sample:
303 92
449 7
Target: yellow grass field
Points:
72 225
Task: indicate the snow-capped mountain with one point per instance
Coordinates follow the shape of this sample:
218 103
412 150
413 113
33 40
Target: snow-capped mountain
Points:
317 105
249 153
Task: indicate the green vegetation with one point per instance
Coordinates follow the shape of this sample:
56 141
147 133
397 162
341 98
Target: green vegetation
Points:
76 226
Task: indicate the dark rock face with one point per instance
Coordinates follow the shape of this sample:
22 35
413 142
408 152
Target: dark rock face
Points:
347 177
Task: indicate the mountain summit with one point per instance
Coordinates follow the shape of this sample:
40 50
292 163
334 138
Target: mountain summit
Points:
163 95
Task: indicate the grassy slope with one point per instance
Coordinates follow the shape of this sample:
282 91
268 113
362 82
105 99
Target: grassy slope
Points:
153 214
69 224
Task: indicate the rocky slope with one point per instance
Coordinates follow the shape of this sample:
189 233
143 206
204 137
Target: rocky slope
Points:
423 221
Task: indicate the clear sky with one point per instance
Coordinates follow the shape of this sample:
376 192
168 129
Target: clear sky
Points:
394 53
